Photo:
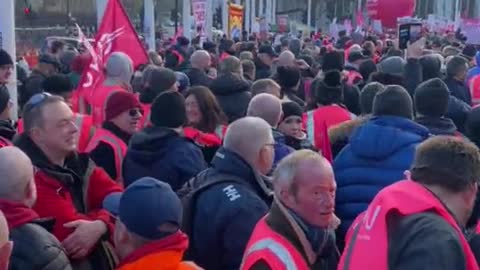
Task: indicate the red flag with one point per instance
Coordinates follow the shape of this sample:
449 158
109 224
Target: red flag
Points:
116 34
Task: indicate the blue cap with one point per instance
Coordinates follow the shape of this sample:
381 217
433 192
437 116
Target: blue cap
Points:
144 206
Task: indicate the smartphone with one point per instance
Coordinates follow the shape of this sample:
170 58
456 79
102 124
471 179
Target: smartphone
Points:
410 32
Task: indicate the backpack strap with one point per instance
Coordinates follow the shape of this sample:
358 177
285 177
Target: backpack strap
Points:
189 194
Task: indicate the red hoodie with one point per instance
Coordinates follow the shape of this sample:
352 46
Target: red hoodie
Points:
17 214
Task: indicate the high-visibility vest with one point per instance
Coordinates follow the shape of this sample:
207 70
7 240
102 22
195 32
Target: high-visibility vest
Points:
98 102
475 89
367 239
119 148
272 248
331 115
84 124
4 142
145 120
353 77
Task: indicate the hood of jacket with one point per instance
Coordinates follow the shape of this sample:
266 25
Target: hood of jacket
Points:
152 144
278 136
437 125
7 130
229 162
383 136
229 84
17 214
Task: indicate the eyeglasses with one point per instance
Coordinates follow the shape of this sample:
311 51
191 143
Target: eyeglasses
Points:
135 112
36 100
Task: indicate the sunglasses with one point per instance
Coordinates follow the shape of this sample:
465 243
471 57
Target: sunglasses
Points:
36 100
135 112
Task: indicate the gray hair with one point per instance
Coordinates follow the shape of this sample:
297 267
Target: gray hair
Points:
286 170
266 106
246 137
16 172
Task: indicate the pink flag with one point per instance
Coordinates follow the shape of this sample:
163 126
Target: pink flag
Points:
116 34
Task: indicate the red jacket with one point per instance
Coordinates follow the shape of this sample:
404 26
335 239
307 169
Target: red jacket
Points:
367 239
75 191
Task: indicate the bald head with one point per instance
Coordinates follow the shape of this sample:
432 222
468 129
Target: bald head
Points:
200 59
16 175
286 58
266 106
247 137
5 244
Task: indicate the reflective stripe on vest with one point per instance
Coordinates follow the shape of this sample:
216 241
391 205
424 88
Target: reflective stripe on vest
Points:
310 127
277 249
118 148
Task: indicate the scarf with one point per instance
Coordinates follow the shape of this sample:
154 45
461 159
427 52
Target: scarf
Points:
17 214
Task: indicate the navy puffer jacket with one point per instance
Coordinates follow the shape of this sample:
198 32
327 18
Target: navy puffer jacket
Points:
377 155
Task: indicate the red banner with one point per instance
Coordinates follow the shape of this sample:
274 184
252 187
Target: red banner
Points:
116 34
388 11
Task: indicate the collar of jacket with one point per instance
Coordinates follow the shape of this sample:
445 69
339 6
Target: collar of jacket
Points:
122 135
280 220
229 162
75 168
166 251
7 130
16 213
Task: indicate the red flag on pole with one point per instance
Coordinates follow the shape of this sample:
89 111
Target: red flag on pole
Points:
116 34
325 146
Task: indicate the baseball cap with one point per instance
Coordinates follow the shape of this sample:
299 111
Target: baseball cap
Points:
144 206
355 56
267 49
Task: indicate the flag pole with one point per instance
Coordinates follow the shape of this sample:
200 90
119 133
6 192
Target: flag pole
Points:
7 42
101 4
149 23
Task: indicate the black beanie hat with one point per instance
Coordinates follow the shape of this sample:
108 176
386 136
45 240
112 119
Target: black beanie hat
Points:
57 84
393 100
5 58
288 77
291 109
368 95
431 98
330 89
4 98
168 110
333 61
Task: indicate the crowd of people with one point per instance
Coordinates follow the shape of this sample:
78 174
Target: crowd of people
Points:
311 154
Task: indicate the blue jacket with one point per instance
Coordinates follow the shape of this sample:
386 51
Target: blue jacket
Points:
377 155
281 148
475 71
163 154
226 213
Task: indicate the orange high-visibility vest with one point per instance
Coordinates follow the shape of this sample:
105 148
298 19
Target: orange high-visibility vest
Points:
367 239
267 245
119 148
331 115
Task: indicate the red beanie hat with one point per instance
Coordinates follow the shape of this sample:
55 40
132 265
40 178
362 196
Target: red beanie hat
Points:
119 102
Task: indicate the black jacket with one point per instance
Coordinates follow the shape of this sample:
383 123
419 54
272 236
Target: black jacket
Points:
458 111
225 214
459 90
103 155
262 71
233 94
438 125
163 154
198 77
351 98
423 241
7 130
35 248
